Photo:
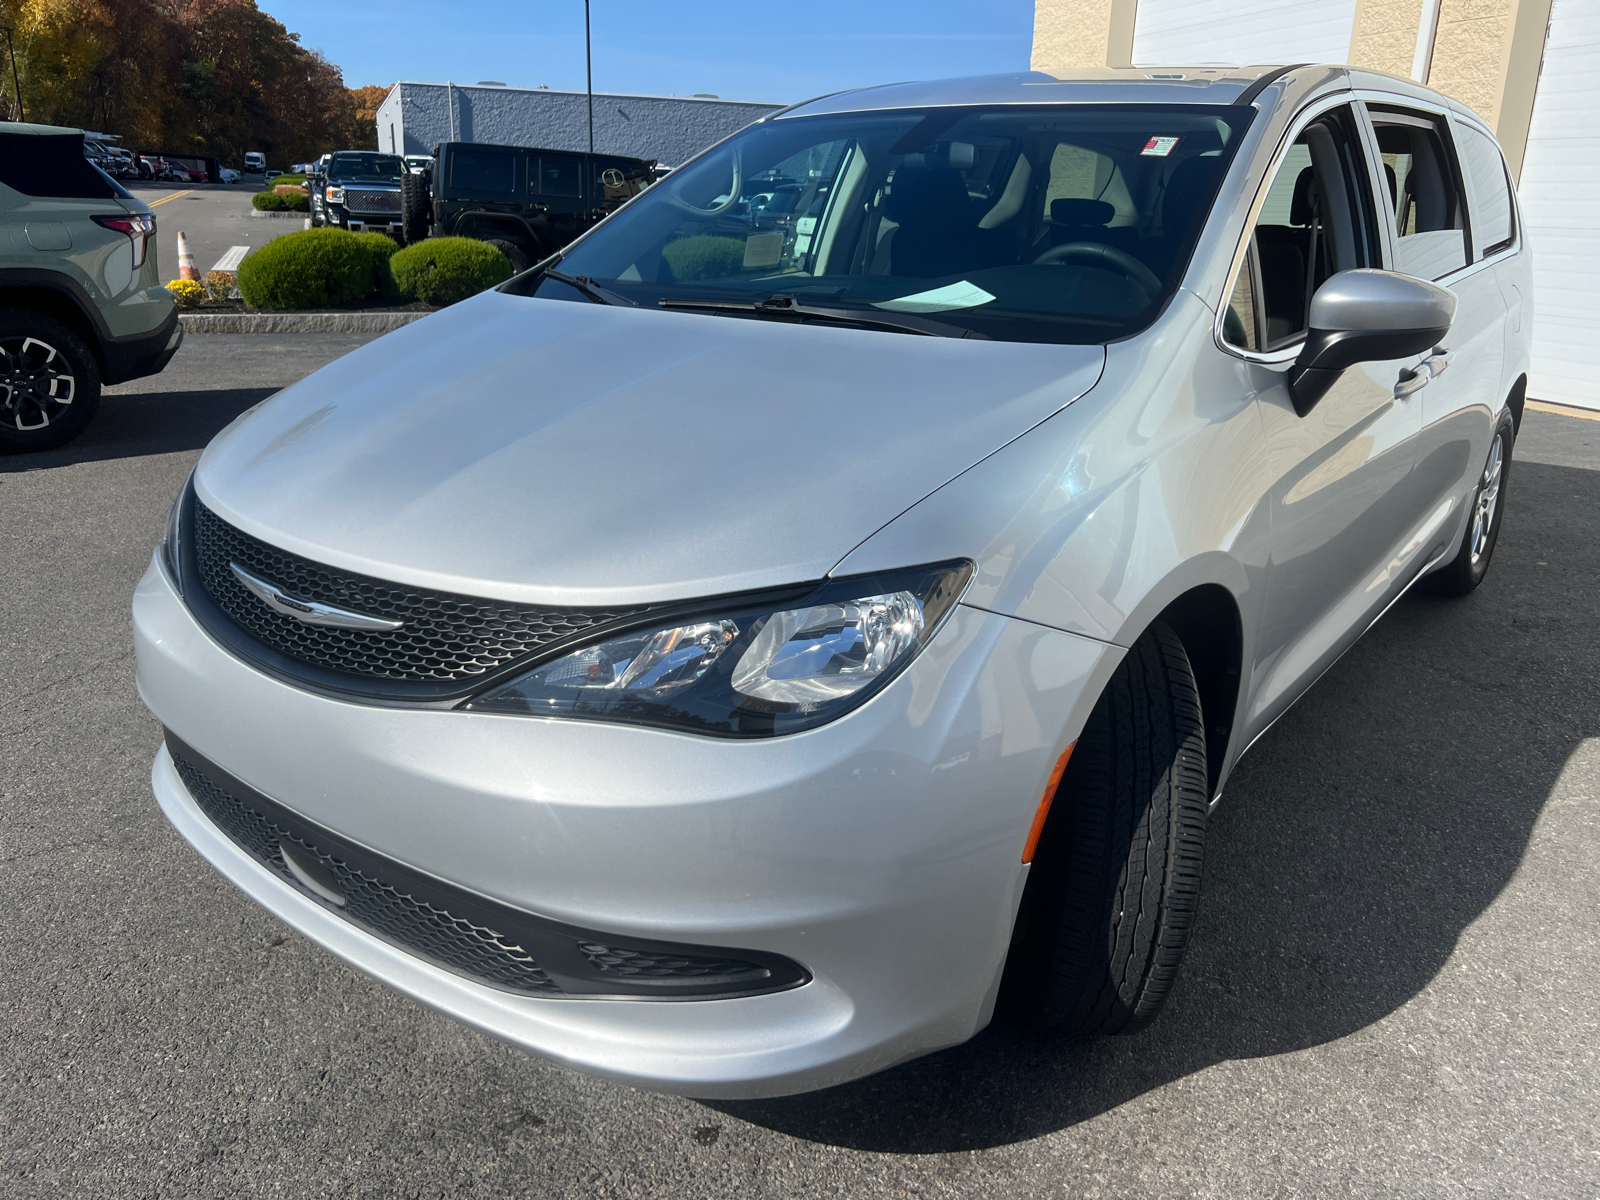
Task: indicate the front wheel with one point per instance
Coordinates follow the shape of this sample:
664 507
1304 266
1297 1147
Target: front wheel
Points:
49 382
519 258
1115 881
1471 563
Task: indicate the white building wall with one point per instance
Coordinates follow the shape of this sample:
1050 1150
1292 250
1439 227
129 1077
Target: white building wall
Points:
670 129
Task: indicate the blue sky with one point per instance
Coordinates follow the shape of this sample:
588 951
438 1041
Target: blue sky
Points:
754 50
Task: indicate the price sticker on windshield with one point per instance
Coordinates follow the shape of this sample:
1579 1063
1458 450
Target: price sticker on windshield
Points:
1159 147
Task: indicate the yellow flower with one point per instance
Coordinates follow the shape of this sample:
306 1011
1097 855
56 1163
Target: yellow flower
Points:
186 292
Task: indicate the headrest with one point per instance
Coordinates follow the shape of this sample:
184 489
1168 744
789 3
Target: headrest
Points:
1191 176
1300 206
931 197
1081 212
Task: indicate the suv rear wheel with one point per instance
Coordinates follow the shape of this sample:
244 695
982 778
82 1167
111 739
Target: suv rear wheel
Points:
49 382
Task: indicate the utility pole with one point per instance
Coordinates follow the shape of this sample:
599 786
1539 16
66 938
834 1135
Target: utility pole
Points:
17 80
589 74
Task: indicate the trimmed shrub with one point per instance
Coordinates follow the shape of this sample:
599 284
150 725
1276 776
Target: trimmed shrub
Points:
704 257
280 180
186 293
445 270
315 268
273 201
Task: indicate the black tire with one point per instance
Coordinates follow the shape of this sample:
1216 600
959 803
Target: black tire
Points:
49 382
1468 568
1115 881
521 260
416 207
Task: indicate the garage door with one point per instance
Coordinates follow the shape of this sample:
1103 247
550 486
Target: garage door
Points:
1197 33
1560 192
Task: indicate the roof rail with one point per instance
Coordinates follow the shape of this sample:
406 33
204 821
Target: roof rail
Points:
1248 96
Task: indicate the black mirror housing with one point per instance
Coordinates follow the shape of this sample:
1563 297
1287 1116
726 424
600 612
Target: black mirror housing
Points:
1366 316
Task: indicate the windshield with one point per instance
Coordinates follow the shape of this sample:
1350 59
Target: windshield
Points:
366 166
1051 224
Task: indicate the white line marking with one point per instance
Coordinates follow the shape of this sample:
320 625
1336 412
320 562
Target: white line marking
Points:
231 260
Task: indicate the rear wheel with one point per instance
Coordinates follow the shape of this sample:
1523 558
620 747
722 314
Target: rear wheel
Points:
521 260
1471 563
49 382
1115 881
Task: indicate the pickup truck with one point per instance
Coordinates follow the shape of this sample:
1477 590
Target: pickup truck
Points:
527 202
358 190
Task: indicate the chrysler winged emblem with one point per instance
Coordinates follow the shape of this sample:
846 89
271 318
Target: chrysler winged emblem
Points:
310 611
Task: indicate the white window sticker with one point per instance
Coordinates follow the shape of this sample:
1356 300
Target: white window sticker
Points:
763 250
1159 147
956 295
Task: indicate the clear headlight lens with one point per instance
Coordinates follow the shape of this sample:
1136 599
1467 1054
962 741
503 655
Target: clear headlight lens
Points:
335 195
754 671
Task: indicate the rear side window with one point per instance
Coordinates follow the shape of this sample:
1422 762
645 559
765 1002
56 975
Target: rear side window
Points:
1491 188
482 171
1430 218
558 176
52 166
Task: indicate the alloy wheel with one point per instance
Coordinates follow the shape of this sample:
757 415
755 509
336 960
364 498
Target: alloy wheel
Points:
1488 498
36 383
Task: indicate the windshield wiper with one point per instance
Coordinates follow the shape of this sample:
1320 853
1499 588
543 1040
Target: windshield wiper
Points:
588 287
784 305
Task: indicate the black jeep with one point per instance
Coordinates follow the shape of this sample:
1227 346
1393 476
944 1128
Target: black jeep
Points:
528 203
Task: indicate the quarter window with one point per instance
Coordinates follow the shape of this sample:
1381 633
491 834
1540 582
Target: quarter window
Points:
1430 219
480 171
1491 188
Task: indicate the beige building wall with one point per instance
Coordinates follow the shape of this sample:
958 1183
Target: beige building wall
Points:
1486 53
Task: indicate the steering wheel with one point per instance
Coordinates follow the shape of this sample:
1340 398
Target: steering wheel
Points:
1109 258
715 210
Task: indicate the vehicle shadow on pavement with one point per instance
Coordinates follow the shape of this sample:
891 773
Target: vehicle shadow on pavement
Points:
130 426
1354 844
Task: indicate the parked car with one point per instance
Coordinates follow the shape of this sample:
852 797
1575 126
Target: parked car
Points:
939 548
359 190
255 162
528 203
419 164
81 303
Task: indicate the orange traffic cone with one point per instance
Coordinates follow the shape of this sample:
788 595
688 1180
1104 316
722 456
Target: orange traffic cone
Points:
185 259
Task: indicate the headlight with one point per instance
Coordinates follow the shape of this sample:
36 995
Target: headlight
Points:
171 541
753 670
334 195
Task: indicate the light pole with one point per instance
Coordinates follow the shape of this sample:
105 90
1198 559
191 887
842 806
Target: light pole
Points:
589 76
22 113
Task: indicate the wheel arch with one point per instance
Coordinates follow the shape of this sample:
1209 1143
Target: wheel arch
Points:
58 299
1208 622
1516 400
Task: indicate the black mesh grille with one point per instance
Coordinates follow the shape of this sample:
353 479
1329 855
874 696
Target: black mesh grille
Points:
445 637
424 929
459 931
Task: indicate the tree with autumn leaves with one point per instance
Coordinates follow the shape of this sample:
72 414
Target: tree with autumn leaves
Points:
212 77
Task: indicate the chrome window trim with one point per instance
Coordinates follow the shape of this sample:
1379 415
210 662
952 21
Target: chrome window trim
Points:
1313 109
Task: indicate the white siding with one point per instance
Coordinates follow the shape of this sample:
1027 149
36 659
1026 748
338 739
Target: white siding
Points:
1560 191
1197 33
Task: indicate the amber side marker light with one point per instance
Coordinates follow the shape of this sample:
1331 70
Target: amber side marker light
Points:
1044 804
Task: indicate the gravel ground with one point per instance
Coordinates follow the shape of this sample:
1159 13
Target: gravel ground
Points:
1393 989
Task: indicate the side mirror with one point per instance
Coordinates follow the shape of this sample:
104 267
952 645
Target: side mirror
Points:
1364 316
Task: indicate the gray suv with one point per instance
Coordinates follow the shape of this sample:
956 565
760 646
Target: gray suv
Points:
81 302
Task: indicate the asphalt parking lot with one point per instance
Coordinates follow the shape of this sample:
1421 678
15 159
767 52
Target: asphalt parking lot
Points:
216 217
1393 988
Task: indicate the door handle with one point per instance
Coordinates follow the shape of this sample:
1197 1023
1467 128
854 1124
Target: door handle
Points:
1437 361
1412 381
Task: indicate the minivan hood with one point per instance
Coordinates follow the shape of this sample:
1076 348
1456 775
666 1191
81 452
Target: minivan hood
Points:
548 452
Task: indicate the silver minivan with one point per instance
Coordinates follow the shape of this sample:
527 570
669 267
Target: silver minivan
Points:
818 610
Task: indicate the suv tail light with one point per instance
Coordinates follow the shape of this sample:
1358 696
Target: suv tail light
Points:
139 227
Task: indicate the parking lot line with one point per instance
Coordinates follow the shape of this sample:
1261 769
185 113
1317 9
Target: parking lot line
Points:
174 196
231 260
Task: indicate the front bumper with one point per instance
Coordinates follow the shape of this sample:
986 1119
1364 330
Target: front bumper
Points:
880 851
362 222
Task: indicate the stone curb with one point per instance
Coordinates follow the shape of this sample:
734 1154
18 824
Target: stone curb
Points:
293 216
333 322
